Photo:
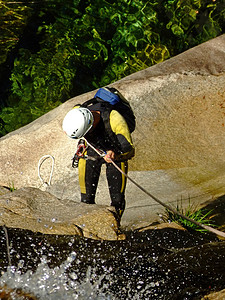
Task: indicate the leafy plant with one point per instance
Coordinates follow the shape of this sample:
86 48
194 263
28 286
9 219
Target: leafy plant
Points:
13 19
201 216
81 45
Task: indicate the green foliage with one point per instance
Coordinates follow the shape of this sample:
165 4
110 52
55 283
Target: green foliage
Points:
91 43
201 216
12 187
13 19
191 22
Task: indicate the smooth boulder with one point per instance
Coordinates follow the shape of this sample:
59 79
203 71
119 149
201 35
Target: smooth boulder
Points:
180 138
32 209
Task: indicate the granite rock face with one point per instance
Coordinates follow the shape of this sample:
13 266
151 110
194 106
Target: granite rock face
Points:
179 139
215 296
32 209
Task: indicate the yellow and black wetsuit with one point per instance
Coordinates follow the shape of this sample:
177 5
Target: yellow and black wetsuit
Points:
118 140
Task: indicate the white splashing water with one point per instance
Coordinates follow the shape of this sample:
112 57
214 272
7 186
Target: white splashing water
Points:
56 283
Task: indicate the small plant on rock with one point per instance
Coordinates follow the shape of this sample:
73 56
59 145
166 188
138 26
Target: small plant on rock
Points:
201 216
12 187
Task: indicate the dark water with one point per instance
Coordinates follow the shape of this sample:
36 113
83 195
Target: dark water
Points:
155 264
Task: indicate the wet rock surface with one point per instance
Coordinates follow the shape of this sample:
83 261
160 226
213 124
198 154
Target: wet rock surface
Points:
39 211
14 294
215 296
167 264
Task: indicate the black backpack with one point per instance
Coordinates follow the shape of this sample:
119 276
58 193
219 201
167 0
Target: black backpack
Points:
112 99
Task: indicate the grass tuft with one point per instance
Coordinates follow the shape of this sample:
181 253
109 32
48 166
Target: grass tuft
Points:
201 216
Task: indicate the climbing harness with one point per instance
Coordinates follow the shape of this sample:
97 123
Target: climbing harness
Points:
75 159
209 228
81 149
41 160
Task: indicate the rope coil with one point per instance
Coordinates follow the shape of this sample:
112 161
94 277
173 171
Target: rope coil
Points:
41 160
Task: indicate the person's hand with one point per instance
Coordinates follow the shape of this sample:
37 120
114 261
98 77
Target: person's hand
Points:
110 155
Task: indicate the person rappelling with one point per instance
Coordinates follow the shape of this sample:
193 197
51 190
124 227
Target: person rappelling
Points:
103 125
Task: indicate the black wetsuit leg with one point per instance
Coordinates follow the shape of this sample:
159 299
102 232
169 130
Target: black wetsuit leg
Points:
117 184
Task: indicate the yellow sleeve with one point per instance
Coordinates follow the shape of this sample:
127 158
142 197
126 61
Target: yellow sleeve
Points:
121 130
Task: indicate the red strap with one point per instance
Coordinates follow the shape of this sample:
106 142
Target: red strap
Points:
81 148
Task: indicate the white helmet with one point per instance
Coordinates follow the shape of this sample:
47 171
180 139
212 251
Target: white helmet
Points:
77 122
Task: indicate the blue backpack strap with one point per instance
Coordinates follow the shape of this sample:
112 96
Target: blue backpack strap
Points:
107 96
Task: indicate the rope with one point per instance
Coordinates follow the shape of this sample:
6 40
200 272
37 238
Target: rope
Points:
209 228
41 160
7 245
